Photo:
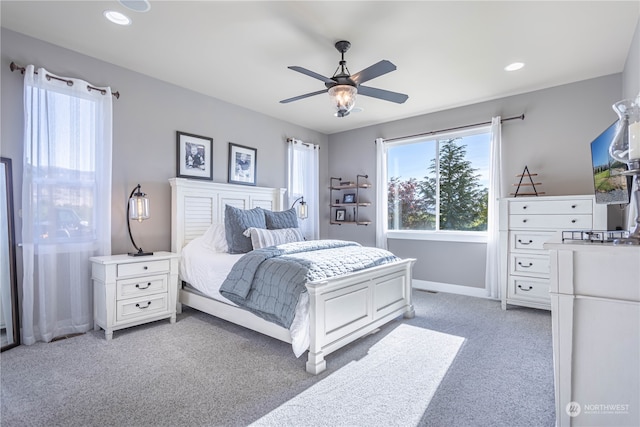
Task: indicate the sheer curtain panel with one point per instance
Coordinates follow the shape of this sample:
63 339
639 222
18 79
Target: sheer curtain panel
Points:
382 213
302 180
495 191
66 201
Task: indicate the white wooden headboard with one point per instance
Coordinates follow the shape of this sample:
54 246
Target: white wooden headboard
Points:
195 205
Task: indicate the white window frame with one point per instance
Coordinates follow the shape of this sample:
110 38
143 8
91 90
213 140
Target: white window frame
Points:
439 235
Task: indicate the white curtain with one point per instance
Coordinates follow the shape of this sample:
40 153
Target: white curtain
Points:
66 201
492 276
302 181
382 213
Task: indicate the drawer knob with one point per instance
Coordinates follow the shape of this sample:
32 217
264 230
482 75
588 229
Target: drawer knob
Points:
573 221
146 306
527 290
138 286
525 243
524 207
145 267
525 266
573 206
524 220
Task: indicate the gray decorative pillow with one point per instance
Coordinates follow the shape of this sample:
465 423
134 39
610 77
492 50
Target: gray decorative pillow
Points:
283 219
236 222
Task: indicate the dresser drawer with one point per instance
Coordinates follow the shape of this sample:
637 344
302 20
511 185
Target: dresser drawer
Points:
135 308
527 240
529 288
135 287
144 267
551 222
560 207
529 265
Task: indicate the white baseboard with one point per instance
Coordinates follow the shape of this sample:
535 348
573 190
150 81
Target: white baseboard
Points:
425 285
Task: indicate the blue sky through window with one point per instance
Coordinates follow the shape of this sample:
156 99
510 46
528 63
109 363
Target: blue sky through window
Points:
413 160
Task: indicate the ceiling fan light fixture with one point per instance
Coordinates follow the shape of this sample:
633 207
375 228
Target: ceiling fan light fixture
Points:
343 98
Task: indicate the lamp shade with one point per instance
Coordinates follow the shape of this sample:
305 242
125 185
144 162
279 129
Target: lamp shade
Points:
139 207
302 210
302 207
343 98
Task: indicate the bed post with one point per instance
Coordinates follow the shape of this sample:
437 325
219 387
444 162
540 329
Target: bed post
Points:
315 361
410 313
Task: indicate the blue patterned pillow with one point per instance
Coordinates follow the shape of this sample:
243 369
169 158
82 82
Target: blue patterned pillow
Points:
236 222
283 219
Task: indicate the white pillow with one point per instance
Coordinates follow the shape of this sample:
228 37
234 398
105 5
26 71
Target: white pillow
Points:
261 237
215 239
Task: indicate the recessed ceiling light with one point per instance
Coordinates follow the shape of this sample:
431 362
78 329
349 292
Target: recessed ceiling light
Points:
117 17
137 5
514 67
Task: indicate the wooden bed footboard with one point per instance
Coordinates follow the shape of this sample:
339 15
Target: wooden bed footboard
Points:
346 308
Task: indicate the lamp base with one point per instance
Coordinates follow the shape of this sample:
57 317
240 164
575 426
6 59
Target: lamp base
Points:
140 253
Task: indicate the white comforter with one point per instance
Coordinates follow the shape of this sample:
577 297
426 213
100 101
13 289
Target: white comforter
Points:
205 270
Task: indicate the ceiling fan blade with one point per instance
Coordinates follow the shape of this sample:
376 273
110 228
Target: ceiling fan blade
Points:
376 70
386 95
306 95
311 74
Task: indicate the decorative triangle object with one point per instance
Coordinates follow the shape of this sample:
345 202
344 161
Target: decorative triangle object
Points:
527 192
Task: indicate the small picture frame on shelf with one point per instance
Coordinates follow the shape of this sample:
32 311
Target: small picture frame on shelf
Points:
341 215
349 198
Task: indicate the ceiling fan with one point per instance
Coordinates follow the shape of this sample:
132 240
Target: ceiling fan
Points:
343 86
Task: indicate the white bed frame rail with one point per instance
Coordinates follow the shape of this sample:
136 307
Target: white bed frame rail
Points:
342 309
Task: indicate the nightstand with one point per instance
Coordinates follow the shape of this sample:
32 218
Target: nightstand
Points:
130 291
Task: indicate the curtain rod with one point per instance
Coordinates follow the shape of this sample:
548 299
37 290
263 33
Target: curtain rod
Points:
13 66
521 117
288 140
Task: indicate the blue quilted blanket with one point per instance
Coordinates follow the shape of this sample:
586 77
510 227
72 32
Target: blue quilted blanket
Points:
269 281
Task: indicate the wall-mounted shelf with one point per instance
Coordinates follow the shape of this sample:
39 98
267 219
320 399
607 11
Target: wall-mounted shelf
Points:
348 210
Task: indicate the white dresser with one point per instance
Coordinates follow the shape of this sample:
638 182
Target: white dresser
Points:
595 317
525 224
130 290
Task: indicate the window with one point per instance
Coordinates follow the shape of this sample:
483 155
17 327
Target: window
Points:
439 183
302 181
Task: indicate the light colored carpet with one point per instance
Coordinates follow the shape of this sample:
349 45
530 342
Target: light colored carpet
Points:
379 389
461 361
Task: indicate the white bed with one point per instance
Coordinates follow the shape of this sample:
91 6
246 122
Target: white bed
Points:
341 309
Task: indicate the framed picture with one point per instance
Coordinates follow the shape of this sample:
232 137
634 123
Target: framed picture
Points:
349 198
242 164
341 214
194 156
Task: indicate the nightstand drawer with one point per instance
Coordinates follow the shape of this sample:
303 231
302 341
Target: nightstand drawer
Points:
522 240
530 288
551 222
144 267
530 265
134 308
142 286
562 207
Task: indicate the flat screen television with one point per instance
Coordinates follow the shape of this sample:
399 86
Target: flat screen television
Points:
610 186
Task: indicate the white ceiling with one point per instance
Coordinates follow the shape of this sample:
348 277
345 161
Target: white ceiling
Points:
447 54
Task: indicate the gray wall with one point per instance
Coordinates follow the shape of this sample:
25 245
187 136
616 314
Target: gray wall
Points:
631 80
553 140
145 121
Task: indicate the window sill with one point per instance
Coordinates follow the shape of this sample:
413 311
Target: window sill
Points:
442 236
